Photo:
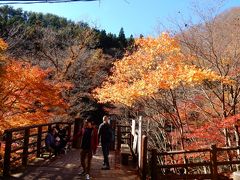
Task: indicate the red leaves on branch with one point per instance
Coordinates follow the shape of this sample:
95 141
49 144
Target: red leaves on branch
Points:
27 96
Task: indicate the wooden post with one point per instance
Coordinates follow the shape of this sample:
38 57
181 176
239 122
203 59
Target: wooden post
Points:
25 147
148 126
113 126
69 133
144 157
153 164
131 141
237 143
119 137
228 144
77 128
39 141
7 154
186 163
49 127
237 135
214 170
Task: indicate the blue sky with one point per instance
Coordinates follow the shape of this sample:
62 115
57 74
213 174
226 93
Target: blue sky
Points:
135 16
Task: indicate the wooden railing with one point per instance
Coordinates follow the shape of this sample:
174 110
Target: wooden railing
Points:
166 165
28 140
124 135
157 170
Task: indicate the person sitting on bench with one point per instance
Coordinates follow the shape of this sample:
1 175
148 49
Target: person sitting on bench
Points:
51 143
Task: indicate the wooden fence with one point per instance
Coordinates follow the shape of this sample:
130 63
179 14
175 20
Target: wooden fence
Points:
25 141
159 171
155 163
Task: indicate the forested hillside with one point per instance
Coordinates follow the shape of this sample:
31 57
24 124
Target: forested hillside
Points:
75 52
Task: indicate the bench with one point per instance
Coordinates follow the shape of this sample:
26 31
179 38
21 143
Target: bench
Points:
49 152
125 152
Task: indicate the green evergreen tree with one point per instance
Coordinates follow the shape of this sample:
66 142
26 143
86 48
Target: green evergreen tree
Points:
122 39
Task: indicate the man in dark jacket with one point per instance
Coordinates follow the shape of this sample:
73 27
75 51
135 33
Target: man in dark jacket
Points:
105 136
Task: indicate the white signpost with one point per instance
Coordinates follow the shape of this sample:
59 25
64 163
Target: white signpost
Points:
135 137
139 140
133 126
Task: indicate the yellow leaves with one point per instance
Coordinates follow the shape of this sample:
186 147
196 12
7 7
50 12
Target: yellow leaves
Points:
226 61
3 45
196 76
157 64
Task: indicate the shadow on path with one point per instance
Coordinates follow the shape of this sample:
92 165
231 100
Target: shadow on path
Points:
66 167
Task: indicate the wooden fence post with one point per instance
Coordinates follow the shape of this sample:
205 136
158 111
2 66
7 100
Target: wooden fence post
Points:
25 147
228 144
131 141
49 127
153 164
39 141
69 128
113 126
237 142
119 137
144 157
214 170
7 154
77 128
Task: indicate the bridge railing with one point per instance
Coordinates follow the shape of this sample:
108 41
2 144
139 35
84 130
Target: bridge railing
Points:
213 163
23 143
183 164
130 135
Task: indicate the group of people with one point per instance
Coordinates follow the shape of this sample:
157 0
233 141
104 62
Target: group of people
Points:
57 139
90 137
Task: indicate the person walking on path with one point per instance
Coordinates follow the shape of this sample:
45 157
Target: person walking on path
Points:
105 136
89 142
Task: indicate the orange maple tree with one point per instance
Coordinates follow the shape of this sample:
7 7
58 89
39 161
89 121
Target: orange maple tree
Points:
27 96
157 69
158 63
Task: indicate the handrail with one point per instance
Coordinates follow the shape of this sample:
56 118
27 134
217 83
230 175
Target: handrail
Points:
198 150
25 143
183 151
34 126
213 162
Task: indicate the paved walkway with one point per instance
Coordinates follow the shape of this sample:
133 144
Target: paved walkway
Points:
66 167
